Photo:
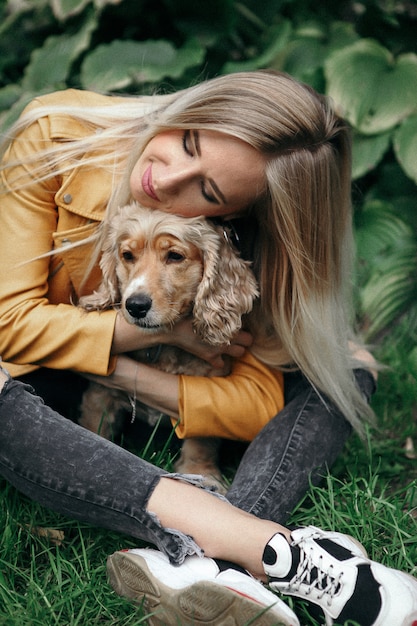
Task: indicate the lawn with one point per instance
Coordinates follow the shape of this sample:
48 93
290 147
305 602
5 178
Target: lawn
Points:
370 493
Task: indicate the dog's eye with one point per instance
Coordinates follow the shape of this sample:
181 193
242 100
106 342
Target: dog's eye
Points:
174 257
127 256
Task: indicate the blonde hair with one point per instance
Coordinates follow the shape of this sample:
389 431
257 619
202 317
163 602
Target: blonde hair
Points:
303 249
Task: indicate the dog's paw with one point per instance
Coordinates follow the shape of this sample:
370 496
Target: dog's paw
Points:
214 484
211 475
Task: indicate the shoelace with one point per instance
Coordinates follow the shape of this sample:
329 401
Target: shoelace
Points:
315 577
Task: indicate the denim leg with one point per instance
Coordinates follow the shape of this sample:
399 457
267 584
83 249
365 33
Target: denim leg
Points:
79 474
292 450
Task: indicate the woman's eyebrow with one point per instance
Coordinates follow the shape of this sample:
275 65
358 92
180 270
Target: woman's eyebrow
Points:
210 180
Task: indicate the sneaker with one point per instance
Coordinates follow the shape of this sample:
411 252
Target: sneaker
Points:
197 592
332 571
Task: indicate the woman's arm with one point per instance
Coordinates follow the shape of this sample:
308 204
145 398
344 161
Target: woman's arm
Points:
38 323
151 386
236 406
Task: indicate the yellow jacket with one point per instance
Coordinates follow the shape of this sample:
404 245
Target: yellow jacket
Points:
38 324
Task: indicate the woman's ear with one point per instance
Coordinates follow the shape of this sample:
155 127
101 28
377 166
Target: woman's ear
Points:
226 293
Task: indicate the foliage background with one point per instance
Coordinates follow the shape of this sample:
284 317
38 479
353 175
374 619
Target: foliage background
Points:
363 54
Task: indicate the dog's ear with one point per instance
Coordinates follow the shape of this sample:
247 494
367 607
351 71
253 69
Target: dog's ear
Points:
226 293
108 292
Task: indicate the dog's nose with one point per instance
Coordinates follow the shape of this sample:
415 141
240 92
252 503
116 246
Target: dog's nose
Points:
138 305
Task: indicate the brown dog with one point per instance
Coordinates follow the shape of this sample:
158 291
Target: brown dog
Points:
158 268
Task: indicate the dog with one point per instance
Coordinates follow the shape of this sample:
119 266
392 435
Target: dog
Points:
158 268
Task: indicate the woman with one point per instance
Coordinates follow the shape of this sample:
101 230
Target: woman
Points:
282 156
254 144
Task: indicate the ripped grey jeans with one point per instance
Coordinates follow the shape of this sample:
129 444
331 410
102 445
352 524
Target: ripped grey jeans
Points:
79 474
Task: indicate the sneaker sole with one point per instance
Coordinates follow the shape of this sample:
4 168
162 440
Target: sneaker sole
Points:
203 603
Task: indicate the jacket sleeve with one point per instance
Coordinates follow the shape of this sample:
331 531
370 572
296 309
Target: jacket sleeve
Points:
234 407
40 327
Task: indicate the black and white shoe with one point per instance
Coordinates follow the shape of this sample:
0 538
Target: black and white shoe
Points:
200 592
332 571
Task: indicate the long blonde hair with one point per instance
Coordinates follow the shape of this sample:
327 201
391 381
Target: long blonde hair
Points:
303 251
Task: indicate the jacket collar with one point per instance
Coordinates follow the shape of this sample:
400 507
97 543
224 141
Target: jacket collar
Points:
84 191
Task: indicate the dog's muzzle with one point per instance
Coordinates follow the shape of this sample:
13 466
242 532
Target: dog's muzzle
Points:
138 306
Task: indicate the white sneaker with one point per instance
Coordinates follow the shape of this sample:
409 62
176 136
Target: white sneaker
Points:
197 592
332 571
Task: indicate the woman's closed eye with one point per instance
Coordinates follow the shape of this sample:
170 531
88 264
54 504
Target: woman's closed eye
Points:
191 145
187 143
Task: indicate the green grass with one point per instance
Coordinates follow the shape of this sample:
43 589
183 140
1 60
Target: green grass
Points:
371 493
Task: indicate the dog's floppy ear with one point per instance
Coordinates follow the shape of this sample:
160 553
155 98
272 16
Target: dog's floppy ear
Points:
108 292
227 291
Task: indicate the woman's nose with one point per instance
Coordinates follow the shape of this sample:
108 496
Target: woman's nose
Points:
172 179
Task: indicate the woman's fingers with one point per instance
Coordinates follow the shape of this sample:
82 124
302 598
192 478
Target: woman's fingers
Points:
184 337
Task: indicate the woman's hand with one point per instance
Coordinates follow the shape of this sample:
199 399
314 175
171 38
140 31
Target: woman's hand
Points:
128 337
362 355
183 336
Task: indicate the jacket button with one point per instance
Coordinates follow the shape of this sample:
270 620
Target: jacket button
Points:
67 198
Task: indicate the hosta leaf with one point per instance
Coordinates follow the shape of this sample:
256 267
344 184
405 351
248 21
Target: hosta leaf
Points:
304 56
123 63
10 116
368 152
278 38
50 65
63 9
405 146
9 95
373 90
102 3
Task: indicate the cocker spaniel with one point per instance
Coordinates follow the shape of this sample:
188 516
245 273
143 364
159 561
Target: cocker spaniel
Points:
158 268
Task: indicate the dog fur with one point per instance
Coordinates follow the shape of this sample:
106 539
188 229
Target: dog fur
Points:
158 268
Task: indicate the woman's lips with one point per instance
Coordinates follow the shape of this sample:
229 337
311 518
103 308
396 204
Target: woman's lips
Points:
147 184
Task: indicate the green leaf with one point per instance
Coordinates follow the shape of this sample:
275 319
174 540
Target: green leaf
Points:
120 64
303 58
312 43
278 38
368 152
405 146
387 296
412 360
387 261
9 95
373 91
10 116
50 65
381 233
63 9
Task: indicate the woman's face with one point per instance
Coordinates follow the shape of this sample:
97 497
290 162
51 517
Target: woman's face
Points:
193 173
